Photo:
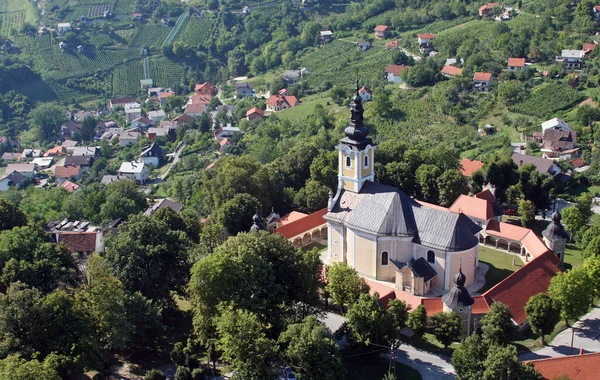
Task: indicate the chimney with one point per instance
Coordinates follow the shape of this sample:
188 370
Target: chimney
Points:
520 163
581 351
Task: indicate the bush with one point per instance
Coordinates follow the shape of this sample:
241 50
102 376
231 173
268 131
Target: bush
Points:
154 374
183 373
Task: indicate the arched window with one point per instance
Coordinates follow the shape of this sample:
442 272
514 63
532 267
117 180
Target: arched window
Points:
431 257
366 161
348 161
384 258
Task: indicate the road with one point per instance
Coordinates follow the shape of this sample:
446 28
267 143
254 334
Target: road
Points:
586 337
175 160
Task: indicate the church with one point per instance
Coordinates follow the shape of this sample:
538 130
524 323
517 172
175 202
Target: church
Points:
388 236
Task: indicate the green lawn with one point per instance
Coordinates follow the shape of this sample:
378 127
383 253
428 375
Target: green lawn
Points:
573 255
368 367
319 246
307 107
500 263
577 190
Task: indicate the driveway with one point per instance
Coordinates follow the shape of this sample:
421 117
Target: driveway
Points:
586 337
175 160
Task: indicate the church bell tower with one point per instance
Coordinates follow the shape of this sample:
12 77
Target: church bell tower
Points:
356 151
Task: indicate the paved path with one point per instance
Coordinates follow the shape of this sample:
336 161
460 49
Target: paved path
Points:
430 366
175 160
587 336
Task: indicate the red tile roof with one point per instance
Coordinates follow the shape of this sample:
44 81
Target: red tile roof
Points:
395 69
428 36
386 293
200 99
291 217
507 230
184 119
56 151
303 225
480 306
432 305
195 108
576 367
487 195
78 241
392 44
516 62
468 167
381 28
452 70
223 142
587 48
255 110
431 205
70 186
207 86
577 162
276 100
473 207
516 289
482 77
67 171
365 89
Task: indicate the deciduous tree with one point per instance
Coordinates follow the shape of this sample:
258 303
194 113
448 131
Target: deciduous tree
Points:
344 284
417 320
447 327
543 314
369 321
11 216
468 358
497 325
527 212
572 291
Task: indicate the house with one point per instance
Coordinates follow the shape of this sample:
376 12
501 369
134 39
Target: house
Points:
10 156
393 44
424 40
596 12
84 162
162 203
542 165
363 45
107 179
488 8
13 178
27 170
481 208
392 73
254 113
163 97
227 132
111 133
128 138
292 76
382 31
516 64
67 173
152 155
169 132
69 129
141 122
281 102
184 119
246 10
43 162
81 115
93 151
146 83
588 48
468 167
133 113
482 81
206 89
325 36
559 144
243 89
451 71
157 116
556 124
78 236
572 59
224 145
62 28
136 170
67 144
127 102
195 109
582 366
366 94
70 187
168 123
137 17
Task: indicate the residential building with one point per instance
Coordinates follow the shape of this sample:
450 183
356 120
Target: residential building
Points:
67 173
133 113
169 132
572 59
516 64
27 170
596 12
111 133
82 115
152 155
206 89
392 73
156 116
325 36
482 81
141 122
127 138
85 162
42 163
184 119
254 113
70 187
163 97
393 44
162 203
588 48
78 236
425 42
62 28
146 83
11 156
481 208
224 145
382 31
468 167
363 45
365 94
292 76
128 102
107 179
556 124
227 132
244 89
281 102
451 71
11 179
136 170
85 151
542 165
559 144
487 9
69 129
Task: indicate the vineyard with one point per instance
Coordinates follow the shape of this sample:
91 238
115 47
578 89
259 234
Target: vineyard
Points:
195 32
180 21
165 73
11 20
98 9
149 35
547 99
126 79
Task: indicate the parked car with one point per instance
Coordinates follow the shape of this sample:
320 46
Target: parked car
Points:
288 374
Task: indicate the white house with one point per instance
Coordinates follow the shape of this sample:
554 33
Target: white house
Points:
557 124
516 64
137 170
133 113
129 138
482 81
156 116
152 154
141 122
63 27
572 59
365 94
363 45
27 170
392 73
11 179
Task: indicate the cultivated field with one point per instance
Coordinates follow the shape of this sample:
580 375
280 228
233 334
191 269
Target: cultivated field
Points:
14 13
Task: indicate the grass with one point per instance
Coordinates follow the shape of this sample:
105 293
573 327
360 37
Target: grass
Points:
500 263
573 256
370 367
319 246
578 190
300 112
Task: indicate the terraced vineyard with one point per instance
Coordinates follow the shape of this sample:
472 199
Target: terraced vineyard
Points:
180 21
13 13
165 73
98 9
11 20
149 35
195 31
126 79
547 99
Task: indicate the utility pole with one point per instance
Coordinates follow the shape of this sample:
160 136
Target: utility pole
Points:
572 338
392 366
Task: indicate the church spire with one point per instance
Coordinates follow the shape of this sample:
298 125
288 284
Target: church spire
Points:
356 132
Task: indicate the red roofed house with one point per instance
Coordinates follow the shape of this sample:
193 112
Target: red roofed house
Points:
468 167
392 73
70 187
575 367
281 102
424 40
254 113
481 208
516 64
381 31
393 44
482 81
451 71
224 145
206 89
69 129
67 173
365 94
305 230
596 12
183 119
577 163
588 48
197 104
486 9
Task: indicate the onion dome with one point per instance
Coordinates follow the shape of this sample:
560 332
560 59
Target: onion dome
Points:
458 296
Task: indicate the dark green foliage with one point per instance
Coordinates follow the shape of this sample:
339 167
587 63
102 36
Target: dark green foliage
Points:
344 285
398 309
447 327
497 325
10 216
468 358
154 374
236 214
417 320
547 99
543 314
369 322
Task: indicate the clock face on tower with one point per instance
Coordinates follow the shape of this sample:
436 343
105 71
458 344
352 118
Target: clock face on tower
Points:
559 243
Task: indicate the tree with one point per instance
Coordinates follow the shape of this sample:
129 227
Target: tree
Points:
236 214
11 216
502 363
311 350
312 197
398 309
592 266
47 118
451 184
88 129
154 374
369 321
15 368
572 291
417 320
497 325
468 358
427 178
150 258
527 212
399 57
123 199
324 169
447 327
338 95
244 344
344 284
583 203
543 314
573 219
511 92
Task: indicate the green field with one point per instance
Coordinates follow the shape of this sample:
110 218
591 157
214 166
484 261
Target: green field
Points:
195 31
500 264
151 35
302 111
547 99
13 13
